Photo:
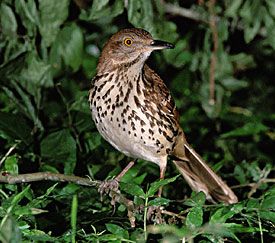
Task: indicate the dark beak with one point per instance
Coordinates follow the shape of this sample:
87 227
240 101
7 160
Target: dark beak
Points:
158 44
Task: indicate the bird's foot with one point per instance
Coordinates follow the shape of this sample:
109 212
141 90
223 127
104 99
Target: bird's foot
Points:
108 187
154 214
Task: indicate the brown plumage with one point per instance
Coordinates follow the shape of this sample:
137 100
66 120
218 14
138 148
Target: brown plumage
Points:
135 112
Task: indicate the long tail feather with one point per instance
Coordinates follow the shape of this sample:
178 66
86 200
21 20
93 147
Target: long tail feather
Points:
202 178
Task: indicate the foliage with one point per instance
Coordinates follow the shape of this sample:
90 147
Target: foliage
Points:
49 50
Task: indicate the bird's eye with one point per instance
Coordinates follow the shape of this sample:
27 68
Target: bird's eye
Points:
128 41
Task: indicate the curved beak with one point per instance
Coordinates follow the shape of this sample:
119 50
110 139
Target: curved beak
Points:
158 45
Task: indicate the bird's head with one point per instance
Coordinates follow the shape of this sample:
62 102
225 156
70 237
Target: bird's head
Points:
130 47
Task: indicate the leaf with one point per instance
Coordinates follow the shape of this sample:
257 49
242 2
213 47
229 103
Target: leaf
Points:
179 56
239 228
52 15
14 126
233 8
103 9
140 14
28 14
251 128
223 214
194 217
269 200
18 197
118 231
233 84
74 217
132 189
25 104
159 201
8 21
93 140
211 110
10 232
67 47
11 165
60 147
267 206
35 74
39 236
156 185
197 199
271 7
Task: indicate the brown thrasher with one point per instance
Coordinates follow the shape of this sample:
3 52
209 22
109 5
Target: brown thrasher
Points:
134 111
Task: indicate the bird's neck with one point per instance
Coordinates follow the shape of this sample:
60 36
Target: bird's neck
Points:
130 67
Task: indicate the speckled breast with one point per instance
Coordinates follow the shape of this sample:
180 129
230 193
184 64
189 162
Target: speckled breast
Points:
119 112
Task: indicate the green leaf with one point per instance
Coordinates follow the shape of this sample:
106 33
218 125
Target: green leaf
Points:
239 228
269 200
28 14
67 47
132 189
140 14
251 128
103 9
179 56
267 206
8 21
159 201
35 235
271 7
18 197
233 8
52 15
9 231
74 217
118 231
156 185
35 74
14 127
233 84
194 217
25 104
60 147
211 110
197 199
11 165
93 140
225 213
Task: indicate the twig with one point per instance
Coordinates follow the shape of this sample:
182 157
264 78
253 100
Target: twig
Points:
183 12
172 214
8 153
264 173
213 62
70 120
46 176
255 185
176 10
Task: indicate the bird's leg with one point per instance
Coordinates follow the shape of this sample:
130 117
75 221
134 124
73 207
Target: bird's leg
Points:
113 184
161 177
123 172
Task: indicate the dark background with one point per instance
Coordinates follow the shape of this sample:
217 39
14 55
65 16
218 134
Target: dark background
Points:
48 55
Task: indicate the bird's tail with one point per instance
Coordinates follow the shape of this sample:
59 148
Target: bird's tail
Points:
201 177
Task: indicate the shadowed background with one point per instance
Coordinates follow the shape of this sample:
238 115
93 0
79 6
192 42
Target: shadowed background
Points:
48 55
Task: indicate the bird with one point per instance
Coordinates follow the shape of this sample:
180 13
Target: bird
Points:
134 111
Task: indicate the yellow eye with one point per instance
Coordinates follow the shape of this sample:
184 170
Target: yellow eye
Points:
128 41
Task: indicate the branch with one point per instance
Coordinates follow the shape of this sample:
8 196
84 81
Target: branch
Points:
47 176
176 10
183 12
213 62
186 13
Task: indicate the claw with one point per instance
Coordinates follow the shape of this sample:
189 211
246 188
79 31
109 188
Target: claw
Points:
107 187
